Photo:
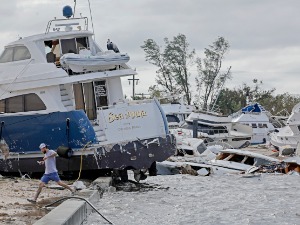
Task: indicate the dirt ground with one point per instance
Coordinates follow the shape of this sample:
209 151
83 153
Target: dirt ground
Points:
14 207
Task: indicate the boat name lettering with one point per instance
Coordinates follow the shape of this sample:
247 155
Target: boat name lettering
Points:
135 114
131 114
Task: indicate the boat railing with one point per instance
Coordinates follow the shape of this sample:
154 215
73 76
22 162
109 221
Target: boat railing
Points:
70 22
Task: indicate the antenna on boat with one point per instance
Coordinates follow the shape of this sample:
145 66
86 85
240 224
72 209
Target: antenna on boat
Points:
74 8
67 11
91 18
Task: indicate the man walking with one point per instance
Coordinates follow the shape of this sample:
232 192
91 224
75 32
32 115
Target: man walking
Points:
49 161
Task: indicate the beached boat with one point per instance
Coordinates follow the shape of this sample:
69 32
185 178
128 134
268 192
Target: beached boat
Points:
255 116
289 135
232 161
215 127
177 112
83 115
237 161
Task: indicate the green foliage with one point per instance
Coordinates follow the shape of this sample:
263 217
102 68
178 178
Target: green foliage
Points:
231 101
172 62
210 80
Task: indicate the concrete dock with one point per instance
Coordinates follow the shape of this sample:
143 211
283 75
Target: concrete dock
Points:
76 211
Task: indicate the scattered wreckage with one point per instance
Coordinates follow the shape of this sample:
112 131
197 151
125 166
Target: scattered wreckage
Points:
233 161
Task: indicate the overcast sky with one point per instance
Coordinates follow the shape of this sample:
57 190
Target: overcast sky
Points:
264 35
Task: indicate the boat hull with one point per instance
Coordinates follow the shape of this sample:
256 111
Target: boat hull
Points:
132 155
24 133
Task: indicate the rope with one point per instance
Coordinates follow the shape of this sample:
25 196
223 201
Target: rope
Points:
81 158
75 197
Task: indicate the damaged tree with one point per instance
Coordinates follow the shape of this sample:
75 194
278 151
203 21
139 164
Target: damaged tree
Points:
210 80
173 63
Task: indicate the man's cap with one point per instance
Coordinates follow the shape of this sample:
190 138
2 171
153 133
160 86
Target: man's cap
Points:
43 145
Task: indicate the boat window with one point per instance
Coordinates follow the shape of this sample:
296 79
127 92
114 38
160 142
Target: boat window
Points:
221 156
236 158
7 55
254 125
260 125
220 130
68 46
241 139
21 53
78 94
248 160
265 125
228 157
89 97
22 103
33 103
16 53
187 125
82 43
14 104
172 118
2 106
52 50
259 161
201 148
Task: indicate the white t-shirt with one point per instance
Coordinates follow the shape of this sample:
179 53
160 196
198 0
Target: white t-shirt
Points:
50 163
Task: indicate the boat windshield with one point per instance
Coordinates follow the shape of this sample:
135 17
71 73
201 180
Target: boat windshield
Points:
16 53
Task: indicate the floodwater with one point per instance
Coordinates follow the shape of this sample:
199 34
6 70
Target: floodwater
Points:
184 199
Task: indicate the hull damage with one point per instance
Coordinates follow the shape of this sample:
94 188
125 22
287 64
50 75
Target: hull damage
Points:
133 155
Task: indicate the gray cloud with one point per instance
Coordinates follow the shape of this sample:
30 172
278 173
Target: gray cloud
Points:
263 35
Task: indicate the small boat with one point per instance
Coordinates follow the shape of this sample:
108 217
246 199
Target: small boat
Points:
85 61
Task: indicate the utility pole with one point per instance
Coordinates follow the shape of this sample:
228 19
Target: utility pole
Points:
133 85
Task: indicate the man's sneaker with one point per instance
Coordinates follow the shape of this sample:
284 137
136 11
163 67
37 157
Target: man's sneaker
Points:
32 201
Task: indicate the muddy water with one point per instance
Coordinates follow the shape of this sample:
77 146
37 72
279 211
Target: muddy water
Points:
186 199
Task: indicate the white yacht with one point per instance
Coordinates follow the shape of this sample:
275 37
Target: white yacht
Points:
81 113
255 116
289 135
217 128
176 113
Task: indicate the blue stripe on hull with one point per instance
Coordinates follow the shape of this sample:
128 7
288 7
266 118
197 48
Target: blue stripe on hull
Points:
24 133
132 155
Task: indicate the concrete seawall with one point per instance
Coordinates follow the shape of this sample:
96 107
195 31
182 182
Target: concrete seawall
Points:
75 211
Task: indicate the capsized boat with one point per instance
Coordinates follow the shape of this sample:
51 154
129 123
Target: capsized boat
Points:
84 115
227 161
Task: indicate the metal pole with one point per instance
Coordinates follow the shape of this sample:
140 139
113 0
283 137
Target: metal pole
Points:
133 85
195 128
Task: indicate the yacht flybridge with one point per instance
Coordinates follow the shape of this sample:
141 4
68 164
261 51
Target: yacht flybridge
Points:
81 112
